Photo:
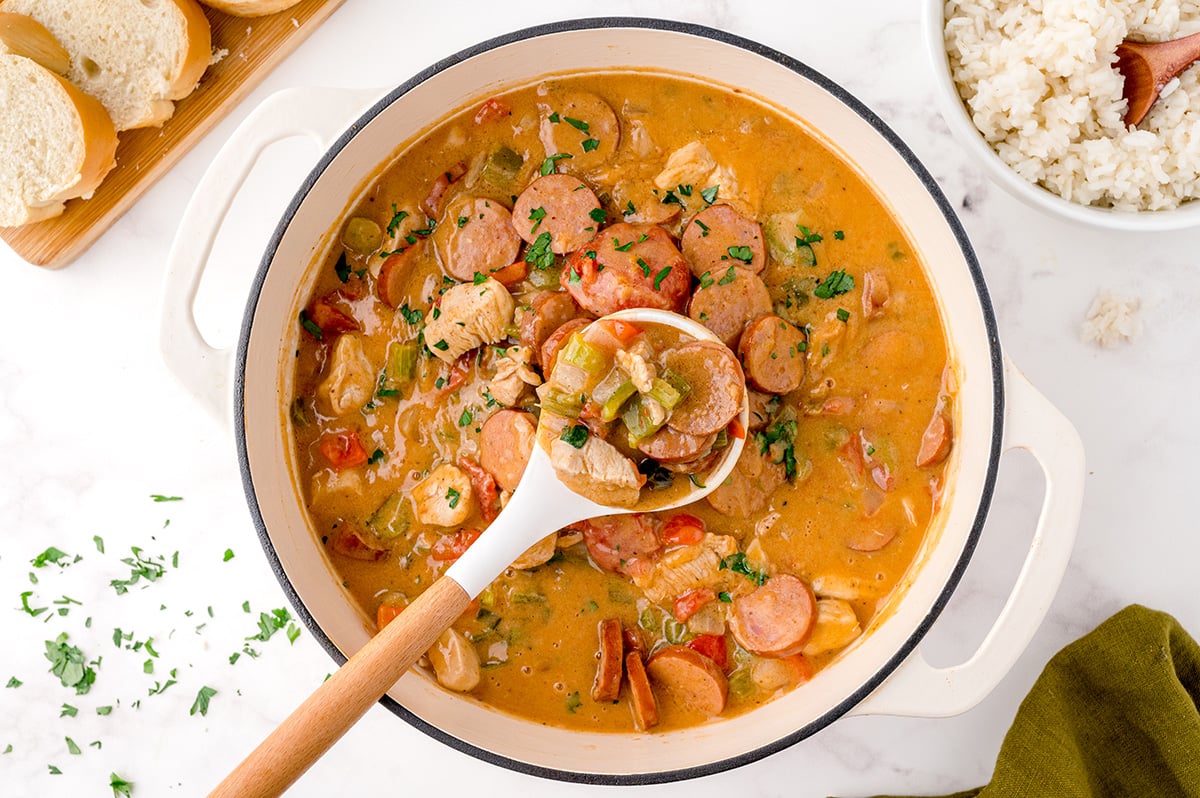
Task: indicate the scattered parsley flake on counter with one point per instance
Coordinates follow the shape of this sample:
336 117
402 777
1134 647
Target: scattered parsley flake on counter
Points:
68 711
53 555
141 567
72 748
14 682
120 786
270 623
54 771
838 282
158 497
293 633
202 698
31 611
99 541
228 555
104 710
67 663
8 749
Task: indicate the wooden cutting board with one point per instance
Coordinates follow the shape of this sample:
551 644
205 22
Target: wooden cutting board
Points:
254 46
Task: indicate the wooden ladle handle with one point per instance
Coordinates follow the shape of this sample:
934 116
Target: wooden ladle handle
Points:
337 704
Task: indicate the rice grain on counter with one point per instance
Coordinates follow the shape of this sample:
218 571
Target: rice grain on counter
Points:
1040 81
1111 320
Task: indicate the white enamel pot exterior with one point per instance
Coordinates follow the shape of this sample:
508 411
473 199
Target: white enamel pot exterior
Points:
883 672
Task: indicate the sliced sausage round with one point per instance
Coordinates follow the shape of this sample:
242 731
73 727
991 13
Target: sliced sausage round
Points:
614 541
670 446
777 619
763 407
475 236
727 302
611 665
392 282
547 311
689 679
579 124
773 354
628 266
563 207
505 443
720 237
716 387
749 486
935 442
645 708
557 340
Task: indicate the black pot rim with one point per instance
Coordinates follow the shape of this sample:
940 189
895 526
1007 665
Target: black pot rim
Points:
989 320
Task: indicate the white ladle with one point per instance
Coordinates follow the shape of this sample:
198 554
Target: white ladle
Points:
540 505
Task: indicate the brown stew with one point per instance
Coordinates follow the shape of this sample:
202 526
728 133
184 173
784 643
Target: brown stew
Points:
470 269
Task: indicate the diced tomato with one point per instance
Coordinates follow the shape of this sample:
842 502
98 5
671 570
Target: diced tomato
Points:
347 543
329 319
623 331
386 614
458 374
852 456
451 547
491 109
511 274
690 602
483 485
342 449
683 529
801 666
711 646
736 429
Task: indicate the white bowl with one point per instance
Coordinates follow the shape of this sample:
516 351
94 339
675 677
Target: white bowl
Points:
958 118
997 408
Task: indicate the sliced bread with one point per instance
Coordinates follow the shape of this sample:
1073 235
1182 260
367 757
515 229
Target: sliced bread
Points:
56 142
22 35
136 56
250 8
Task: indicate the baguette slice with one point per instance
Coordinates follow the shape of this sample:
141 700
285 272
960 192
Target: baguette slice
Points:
250 8
136 56
22 35
56 142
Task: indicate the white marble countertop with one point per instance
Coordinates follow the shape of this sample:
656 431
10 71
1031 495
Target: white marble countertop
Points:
91 425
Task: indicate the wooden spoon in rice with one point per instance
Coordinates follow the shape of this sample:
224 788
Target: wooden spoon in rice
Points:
1148 67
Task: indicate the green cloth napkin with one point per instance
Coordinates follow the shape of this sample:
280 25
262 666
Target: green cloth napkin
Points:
1113 714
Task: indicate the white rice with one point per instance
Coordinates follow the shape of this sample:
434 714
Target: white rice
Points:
1112 319
1039 79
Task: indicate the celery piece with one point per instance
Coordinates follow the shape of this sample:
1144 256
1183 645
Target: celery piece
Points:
544 278
665 393
500 168
562 404
637 421
587 356
392 519
401 366
613 404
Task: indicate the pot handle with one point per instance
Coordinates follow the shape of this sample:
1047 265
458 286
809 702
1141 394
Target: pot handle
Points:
918 689
319 113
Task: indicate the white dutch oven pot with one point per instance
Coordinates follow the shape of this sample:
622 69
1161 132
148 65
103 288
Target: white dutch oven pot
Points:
884 671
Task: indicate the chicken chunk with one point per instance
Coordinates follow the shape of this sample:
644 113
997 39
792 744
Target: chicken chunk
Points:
598 471
469 315
513 376
687 568
837 626
539 553
455 662
691 164
351 379
444 497
641 373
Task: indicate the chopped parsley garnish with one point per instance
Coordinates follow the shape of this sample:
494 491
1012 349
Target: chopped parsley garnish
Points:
462 221
695 480
703 227
710 194
778 441
598 215
724 597
554 117
342 268
313 330
453 497
629 209
375 457
662 275
578 124
738 564
202 698
573 276
839 235
684 190
465 418
410 315
837 283
843 314
398 216
645 267
536 215
539 253
479 279
441 345
706 280
670 199
728 277
807 236
574 702
619 247
742 253
67 663
549 164
575 434
590 144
